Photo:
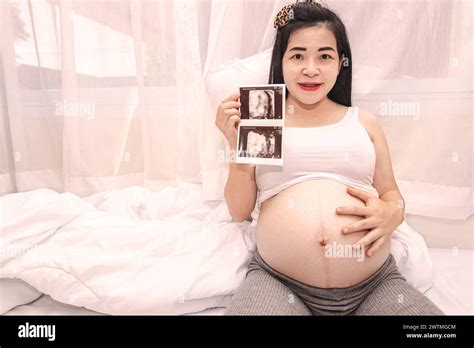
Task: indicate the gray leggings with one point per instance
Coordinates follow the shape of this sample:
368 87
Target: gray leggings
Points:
265 291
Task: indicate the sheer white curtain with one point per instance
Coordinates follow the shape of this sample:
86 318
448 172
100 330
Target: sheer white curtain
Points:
105 94
99 94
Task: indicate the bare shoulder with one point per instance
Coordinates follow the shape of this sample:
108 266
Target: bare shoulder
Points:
370 122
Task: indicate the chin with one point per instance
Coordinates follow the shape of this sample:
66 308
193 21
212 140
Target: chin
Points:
309 101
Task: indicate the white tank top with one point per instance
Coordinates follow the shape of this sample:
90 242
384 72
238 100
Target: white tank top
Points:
342 151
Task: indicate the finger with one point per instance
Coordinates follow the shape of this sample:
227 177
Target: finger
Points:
376 246
232 121
224 115
358 193
362 225
230 112
230 104
233 96
353 210
369 238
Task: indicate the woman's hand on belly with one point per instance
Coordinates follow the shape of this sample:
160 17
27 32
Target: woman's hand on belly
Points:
299 234
377 216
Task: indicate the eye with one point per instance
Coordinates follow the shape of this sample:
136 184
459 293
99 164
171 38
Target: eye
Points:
297 54
327 57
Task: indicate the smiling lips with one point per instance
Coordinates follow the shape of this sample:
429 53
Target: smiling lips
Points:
310 86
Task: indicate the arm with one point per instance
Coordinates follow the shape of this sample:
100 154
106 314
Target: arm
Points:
240 191
382 214
394 198
384 179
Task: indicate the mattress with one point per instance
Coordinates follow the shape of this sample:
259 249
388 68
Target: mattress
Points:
45 305
453 289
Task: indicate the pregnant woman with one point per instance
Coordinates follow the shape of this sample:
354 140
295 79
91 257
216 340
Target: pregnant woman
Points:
337 174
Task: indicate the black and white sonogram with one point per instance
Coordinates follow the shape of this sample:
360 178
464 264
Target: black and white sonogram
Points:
262 118
262 102
262 143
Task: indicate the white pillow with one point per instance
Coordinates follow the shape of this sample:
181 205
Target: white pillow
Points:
225 80
412 256
16 292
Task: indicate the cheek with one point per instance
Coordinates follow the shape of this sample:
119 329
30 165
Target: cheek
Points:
334 71
289 70
285 74
330 75
290 78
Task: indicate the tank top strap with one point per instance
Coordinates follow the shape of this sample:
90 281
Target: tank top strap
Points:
353 116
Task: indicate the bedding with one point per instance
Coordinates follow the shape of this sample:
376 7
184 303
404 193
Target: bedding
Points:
452 290
134 251
170 255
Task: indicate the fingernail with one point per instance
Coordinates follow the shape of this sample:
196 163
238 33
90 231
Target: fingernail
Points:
345 230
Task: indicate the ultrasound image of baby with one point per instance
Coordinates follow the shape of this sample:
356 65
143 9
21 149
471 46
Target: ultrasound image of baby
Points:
261 104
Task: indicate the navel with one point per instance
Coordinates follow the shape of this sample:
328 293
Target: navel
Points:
323 240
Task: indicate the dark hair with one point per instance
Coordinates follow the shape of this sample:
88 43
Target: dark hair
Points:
306 15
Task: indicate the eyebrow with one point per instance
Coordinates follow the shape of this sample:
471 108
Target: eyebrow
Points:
320 49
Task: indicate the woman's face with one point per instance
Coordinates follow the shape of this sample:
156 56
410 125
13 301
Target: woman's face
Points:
311 57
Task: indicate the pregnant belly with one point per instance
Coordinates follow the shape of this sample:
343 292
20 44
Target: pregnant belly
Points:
291 225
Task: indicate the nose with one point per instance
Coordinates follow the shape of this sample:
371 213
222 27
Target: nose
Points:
311 68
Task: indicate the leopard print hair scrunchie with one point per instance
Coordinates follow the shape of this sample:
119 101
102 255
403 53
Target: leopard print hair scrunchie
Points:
286 14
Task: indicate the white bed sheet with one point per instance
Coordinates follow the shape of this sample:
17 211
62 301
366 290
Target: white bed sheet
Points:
453 289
